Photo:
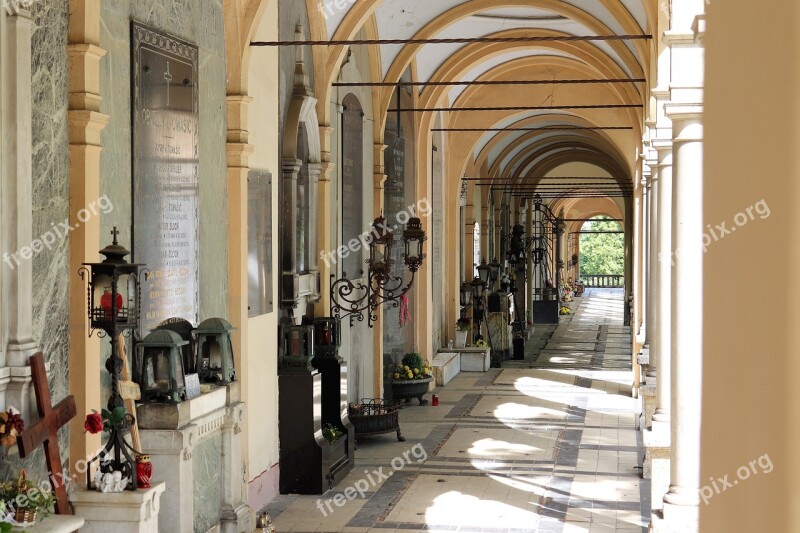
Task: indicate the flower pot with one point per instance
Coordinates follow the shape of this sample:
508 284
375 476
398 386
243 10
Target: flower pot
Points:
405 389
461 338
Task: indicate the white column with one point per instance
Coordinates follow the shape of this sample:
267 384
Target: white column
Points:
644 217
681 504
17 220
661 269
652 278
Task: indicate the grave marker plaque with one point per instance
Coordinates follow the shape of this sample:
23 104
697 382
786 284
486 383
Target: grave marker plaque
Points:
165 125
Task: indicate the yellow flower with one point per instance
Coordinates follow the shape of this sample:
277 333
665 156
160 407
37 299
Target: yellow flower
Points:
416 370
396 375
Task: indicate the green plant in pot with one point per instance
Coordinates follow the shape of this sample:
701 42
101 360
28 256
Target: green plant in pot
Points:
331 433
24 501
411 378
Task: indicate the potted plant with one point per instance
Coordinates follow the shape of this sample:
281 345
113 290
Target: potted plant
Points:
462 329
411 378
24 502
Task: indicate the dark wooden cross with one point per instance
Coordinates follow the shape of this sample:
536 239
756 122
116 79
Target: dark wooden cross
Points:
45 431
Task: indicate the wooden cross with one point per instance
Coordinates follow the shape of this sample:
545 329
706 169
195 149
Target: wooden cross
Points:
129 391
45 431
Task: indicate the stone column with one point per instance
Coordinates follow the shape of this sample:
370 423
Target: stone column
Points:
681 504
657 438
235 516
378 196
652 278
17 195
644 295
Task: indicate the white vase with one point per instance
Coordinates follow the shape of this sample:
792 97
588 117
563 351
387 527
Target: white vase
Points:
461 338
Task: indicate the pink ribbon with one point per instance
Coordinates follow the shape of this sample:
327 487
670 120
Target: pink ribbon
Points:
405 310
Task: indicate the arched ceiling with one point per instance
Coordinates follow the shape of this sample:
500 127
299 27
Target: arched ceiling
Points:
519 155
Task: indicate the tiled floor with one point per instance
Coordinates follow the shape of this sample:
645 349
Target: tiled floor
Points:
547 444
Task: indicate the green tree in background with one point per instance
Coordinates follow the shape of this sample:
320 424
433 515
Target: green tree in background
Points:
602 253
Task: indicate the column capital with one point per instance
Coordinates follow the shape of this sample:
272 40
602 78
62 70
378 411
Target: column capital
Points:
19 9
290 167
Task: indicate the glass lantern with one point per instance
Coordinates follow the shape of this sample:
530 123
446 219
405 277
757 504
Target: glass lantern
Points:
327 336
380 246
158 367
298 345
466 294
484 272
184 330
214 362
113 290
494 271
414 237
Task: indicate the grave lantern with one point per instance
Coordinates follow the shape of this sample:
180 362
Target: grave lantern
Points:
414 237
184 330
158 367
112 299
327 336
113 292
214 361
298 346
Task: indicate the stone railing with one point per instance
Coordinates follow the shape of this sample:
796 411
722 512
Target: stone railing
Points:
603 280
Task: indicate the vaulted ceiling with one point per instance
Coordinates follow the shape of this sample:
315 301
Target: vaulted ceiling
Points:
529 141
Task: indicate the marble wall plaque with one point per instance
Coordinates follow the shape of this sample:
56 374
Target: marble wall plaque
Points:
353 185
165 173
259 242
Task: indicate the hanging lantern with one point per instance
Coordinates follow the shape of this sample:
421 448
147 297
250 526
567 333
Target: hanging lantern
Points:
466 294
494 271
380 246
214 361
158 367
414 237
483 272
478 286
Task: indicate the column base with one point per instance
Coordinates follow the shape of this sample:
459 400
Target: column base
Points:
676 519
18 353
648 395
121 512
239 520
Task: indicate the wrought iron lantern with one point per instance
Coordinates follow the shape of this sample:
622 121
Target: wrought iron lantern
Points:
466 294
494 271
184 330
214 362
113 292
354 298
380 246
298 346
113 303
414 237
484 272
516 252
158 367
478 286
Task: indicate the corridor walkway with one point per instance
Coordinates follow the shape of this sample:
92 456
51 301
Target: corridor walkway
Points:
543 445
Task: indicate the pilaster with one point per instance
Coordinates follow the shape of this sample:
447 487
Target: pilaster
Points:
86 123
